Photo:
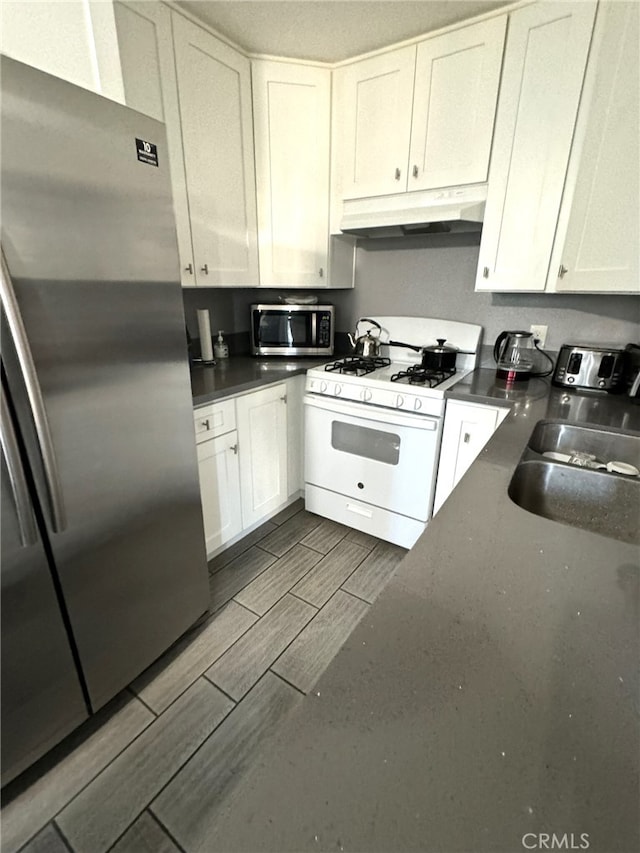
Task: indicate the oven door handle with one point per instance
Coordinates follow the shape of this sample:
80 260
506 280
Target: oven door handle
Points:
377 414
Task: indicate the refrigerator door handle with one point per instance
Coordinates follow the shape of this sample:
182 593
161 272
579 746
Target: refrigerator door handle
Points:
26 521
36 401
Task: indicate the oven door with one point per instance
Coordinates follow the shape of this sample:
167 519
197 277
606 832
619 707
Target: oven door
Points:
380 456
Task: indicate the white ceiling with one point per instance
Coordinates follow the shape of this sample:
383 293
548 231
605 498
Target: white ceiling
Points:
329 30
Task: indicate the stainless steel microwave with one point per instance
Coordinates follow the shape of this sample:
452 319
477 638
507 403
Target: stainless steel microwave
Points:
292 329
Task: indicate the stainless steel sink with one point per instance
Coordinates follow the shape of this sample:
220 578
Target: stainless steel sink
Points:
596 500
606 444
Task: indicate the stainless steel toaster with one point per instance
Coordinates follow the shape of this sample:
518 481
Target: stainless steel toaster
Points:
586 366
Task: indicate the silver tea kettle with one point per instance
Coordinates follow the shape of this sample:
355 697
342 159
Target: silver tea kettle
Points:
367 345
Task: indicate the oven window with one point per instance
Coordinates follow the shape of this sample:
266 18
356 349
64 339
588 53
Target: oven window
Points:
282 329
366 442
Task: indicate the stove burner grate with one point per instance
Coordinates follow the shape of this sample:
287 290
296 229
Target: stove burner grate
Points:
418 375
357 365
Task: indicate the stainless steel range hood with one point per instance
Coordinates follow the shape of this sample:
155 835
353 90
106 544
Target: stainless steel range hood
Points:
440 211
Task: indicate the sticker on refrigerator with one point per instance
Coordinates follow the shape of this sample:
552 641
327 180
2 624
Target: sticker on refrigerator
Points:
147 152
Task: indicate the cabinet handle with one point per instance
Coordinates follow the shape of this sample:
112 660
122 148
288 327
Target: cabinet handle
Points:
205 424
205 269
562 271
284 398
415 171
485 272
234 447
189 269
398 173
467 437
321 272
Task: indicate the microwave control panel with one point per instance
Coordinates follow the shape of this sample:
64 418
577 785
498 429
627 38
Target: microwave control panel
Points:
324 329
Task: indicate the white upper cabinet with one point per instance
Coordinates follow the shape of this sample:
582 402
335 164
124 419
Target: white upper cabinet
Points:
454 106
542 78
420 117
373 115
75 40
292 124
214 92
148 73
596 248
291 110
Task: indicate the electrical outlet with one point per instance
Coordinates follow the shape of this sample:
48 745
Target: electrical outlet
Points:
540 334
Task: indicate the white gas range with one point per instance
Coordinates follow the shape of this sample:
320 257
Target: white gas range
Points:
373 430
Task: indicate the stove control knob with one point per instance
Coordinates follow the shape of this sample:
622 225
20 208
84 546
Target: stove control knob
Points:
417 404
323 387
365 395
399 401
337 389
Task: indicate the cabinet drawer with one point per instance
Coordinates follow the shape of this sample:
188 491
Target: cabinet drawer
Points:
217 419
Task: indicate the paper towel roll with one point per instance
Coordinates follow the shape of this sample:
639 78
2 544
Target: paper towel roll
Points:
204 326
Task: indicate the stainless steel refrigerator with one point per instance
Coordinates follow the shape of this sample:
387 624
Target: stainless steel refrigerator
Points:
103 557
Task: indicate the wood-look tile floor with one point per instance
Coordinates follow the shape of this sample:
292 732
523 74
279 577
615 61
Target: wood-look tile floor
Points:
151 771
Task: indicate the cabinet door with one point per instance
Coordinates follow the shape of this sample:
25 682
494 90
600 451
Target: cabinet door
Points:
220 489
467 428
148 73
454 105
262 434
374 115
74 40
544 64
214 92
597 240
291 109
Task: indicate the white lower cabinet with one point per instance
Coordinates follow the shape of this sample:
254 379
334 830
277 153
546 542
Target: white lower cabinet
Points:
217 446
250 458
262 432
467 428
220 489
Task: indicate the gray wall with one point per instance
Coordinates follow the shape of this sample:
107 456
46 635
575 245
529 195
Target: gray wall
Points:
433 276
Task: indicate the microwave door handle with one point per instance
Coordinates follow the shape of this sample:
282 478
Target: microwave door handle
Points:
36 400
24 512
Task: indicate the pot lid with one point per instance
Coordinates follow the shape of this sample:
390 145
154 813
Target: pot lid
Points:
441 348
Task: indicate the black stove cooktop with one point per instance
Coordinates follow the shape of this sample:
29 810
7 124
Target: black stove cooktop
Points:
356 365
418 375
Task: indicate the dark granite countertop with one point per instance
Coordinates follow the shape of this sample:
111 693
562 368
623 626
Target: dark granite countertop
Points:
490 692
243 373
